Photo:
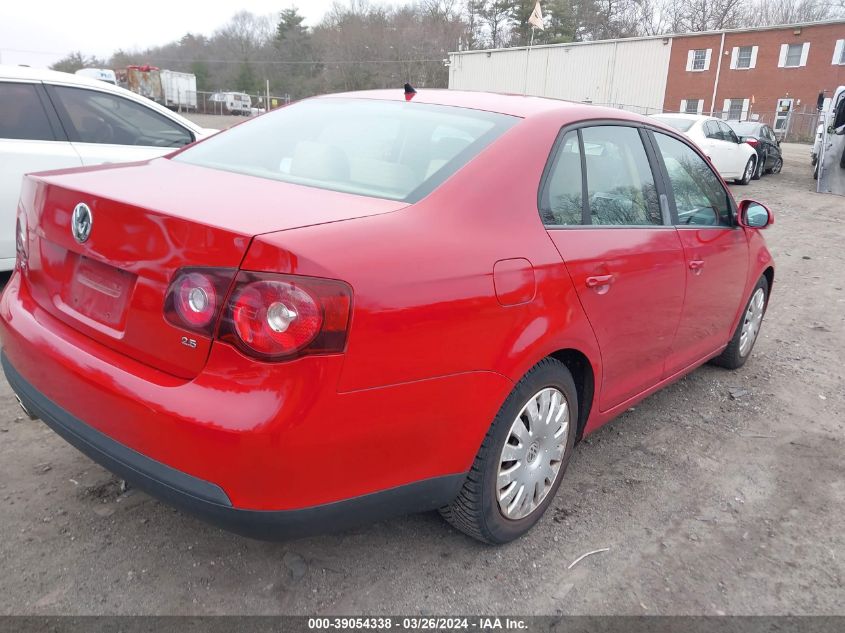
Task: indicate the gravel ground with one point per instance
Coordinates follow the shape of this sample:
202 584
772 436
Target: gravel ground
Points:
215 121
721 494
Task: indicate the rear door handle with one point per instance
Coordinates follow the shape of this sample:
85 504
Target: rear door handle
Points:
696 265
599 280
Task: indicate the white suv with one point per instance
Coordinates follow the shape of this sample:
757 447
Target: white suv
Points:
53 120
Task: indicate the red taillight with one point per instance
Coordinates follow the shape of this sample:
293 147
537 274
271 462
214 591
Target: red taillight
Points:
752 141
195 296
275 317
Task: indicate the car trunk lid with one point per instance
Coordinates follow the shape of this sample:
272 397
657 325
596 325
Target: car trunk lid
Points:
148 220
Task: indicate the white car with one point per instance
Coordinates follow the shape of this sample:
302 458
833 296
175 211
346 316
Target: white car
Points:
733 159
52 120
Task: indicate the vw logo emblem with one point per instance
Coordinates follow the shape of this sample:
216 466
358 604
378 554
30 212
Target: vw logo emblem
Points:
80 222
532 453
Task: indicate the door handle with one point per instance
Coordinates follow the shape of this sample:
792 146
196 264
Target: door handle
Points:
696 266
599 280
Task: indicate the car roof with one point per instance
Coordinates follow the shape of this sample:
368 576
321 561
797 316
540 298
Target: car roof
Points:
44 74
736 122
511 104
683 116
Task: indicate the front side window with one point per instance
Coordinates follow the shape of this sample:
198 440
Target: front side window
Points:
743 57
385 149
700 198
793 54
727 133
99 117
620 185
22 115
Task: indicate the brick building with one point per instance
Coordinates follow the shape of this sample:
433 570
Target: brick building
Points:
771 74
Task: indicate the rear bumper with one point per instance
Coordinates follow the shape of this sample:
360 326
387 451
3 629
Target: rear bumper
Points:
208 500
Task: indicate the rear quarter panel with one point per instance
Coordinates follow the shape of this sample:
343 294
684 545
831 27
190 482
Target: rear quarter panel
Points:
425 304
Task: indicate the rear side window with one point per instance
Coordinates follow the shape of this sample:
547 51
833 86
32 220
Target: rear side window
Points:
22 115
617 188
620 185
700 198
711 130
99 117
385 149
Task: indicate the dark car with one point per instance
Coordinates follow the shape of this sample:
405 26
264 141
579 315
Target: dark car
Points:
762 138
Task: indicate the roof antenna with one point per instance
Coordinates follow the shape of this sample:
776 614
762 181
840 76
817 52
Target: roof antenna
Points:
410 91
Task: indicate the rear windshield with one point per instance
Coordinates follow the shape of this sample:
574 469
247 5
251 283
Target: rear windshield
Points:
395 150
744 129
682 125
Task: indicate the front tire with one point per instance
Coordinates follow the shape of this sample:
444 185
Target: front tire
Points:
747 330
758 170
522 459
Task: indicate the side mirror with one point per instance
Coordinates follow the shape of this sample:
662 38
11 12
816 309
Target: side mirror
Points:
820 102
754 215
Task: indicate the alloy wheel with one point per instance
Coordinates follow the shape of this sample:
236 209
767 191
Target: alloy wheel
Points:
749 169
751 322
532 454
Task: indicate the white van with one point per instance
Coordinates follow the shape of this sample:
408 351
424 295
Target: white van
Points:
232 102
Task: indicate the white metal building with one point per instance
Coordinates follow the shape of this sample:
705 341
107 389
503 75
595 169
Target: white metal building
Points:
629 73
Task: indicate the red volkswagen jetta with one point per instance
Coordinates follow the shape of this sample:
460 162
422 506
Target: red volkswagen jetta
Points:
358 306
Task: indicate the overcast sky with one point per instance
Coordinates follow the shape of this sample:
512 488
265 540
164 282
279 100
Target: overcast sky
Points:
40 32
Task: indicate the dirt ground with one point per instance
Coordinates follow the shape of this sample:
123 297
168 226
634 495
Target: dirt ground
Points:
721 494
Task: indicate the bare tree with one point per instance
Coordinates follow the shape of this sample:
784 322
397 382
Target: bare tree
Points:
771 12
710 15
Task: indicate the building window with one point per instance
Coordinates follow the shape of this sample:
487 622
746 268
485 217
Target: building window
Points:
743 58
735 109
692 106
842 55
698 60
793 55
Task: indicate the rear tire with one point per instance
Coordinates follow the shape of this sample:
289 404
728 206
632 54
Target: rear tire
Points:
775 169
750 323
750 167
478 508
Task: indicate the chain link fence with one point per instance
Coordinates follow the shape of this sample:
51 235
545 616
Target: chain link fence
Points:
228 103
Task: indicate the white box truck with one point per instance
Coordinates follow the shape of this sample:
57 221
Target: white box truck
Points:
180 90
